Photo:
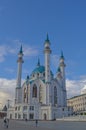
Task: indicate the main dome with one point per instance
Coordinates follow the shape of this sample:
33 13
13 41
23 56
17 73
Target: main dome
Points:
39 69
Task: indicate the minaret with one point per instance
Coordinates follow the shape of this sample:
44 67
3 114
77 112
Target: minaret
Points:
62 68
47 52
58 75
19 73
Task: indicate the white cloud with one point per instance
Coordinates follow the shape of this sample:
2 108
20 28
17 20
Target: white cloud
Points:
30 51
74 87
9 70
5 50
2 53
7 90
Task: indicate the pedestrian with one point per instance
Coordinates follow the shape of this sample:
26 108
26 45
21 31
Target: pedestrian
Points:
36 123
26 119
6 122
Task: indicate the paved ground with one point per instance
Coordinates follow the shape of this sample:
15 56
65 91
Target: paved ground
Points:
44 125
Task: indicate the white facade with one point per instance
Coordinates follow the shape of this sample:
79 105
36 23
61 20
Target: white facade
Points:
78 103
41 96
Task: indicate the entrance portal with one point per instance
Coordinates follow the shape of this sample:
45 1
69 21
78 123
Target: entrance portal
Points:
45 116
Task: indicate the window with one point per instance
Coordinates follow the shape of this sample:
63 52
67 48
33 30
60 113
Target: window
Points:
31 108
18 108
40 94
31 116
55 95
24 107
15 115
19 116
34 91
24 116
44 74
37 74
15 108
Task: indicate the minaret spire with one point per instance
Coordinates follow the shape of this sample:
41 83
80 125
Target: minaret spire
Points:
62 64
38 64
47 38
21 52
20 61
62 68
19 74
47 52
62 56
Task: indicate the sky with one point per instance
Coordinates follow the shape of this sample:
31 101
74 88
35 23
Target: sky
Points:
26 23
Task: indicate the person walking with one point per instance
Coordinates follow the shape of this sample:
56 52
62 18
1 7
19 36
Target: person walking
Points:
6 122
36 123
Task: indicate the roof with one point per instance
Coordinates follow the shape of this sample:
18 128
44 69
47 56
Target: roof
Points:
62 56
47 39
39 69
76 96
21 50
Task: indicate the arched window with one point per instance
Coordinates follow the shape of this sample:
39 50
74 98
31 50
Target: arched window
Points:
40 94
25 94
34 90
55 95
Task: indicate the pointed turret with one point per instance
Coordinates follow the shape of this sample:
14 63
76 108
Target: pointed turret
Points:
19 72
62 56
47 52
47 39
59 70
27 79
62 68
21 52
38 64
62 60
59 73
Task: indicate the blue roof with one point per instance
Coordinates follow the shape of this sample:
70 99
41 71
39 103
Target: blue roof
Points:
39 69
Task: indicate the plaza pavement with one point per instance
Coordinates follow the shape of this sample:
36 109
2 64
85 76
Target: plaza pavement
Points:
44 125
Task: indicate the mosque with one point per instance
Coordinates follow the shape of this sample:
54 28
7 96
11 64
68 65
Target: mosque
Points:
42 96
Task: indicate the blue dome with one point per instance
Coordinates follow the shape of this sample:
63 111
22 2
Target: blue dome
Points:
39 69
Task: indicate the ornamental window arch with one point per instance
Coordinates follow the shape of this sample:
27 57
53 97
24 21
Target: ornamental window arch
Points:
55 95
34 91
40 93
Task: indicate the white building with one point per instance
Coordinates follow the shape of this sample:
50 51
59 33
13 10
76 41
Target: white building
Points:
41 96
78 103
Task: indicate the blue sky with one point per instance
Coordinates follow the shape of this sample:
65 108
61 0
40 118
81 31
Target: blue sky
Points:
27 22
